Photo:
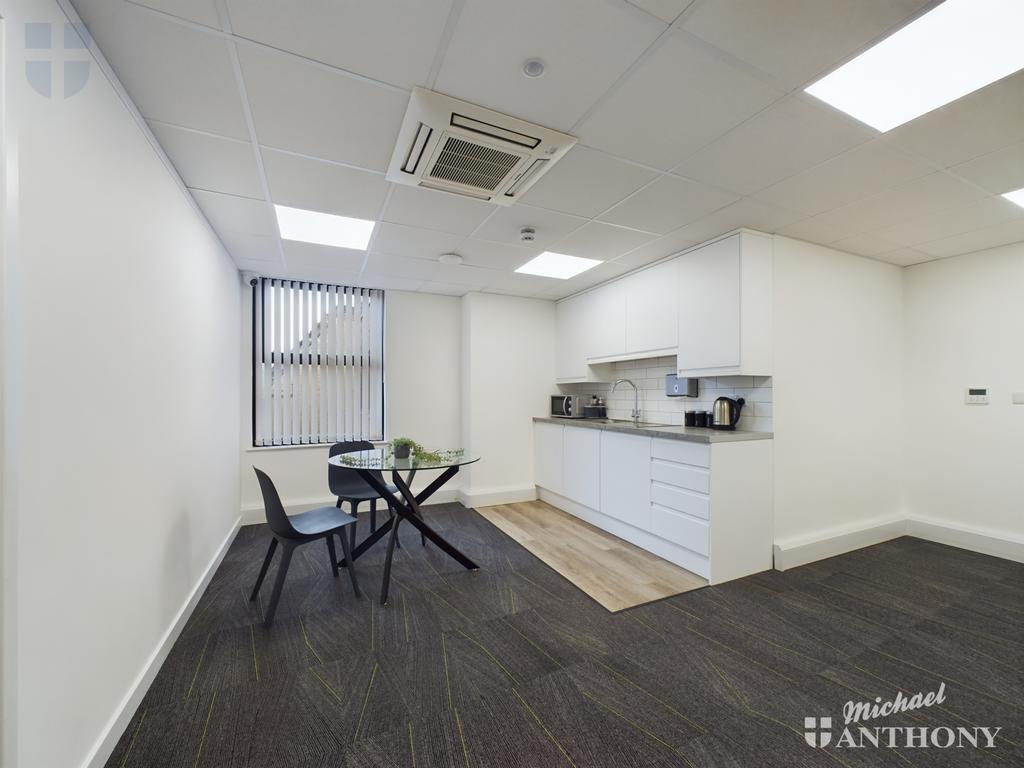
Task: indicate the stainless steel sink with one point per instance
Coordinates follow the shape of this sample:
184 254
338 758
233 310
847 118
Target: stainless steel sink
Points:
628 423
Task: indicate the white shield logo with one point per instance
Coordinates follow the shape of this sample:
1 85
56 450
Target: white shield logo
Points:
818 731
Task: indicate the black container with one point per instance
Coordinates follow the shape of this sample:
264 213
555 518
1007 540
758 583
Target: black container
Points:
700 419
690 419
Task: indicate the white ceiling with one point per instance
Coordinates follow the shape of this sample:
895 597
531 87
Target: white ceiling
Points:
690 115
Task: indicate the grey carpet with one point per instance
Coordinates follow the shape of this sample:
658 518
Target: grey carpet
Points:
512 666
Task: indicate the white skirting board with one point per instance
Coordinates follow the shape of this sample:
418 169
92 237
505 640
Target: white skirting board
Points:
104 746
486 497
255 514
995 543
793 553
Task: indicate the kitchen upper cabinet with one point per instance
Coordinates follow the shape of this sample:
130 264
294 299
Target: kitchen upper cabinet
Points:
606 320
626 478
708 293
575 320
581 462
652 300
710 306
571 359
548 468
724 304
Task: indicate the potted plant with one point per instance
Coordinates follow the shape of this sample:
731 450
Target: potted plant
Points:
403 446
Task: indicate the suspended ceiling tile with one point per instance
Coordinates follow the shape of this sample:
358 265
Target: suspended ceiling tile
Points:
413 242
796 40
310 257
585 47
601 241
393 41
173 73
506 225
500 256
304 108
587 182
783 140
681 97
858 173
428 209
666 203
318 185
230 213
209 162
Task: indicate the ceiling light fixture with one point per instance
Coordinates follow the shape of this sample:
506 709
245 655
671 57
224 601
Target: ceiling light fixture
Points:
558 265
533 67
323 228
1017 196
450 259
954 49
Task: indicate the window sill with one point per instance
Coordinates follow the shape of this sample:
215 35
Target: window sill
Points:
306 446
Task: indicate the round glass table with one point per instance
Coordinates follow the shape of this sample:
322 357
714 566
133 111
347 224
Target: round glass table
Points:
370 466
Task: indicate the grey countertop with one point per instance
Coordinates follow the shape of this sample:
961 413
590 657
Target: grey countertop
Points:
690 434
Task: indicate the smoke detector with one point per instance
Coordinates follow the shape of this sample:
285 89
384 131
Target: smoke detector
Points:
454 146
450 259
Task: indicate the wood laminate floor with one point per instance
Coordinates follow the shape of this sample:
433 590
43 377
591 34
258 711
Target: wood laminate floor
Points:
614 572
512 666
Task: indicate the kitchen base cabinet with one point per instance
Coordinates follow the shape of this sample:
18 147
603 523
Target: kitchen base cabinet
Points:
625 478
547 456
581 462
707 507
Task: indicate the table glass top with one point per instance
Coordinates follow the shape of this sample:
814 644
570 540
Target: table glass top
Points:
384 459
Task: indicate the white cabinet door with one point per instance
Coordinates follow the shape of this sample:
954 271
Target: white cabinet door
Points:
626 478
547 456
709 306
652 318
581 462
570 339
606 320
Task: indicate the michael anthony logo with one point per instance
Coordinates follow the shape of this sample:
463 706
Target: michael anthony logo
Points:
41 54
818 730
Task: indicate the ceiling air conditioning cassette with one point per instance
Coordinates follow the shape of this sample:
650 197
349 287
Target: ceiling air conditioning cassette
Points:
453 146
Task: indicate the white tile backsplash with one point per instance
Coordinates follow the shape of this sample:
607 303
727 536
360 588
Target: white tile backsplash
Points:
655 405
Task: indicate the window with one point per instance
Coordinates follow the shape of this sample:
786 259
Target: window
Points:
318 372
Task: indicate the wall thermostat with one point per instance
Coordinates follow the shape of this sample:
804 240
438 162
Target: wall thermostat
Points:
976 396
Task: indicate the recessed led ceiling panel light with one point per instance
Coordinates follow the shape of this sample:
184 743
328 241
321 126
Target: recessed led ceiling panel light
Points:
954 49
323 228
1017 196
558 265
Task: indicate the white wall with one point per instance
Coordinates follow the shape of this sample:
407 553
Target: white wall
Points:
122 393
838 391
422 355
508 369
964 325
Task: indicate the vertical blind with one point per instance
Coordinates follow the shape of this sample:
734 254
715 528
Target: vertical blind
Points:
318 373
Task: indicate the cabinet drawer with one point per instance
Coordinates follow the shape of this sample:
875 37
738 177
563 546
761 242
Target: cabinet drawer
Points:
681 501
681 476
697 454
680 529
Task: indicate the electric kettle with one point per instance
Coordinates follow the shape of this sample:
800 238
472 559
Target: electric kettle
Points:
726 412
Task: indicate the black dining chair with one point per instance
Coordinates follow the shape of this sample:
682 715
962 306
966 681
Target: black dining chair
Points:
348 486
291 532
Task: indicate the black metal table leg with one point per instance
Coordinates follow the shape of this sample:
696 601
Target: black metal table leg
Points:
407 508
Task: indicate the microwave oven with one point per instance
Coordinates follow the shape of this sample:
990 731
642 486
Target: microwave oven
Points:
567 406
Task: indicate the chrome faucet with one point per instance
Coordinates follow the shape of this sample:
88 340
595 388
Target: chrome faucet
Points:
636 399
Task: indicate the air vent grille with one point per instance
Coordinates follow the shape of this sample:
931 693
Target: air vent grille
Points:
473 165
